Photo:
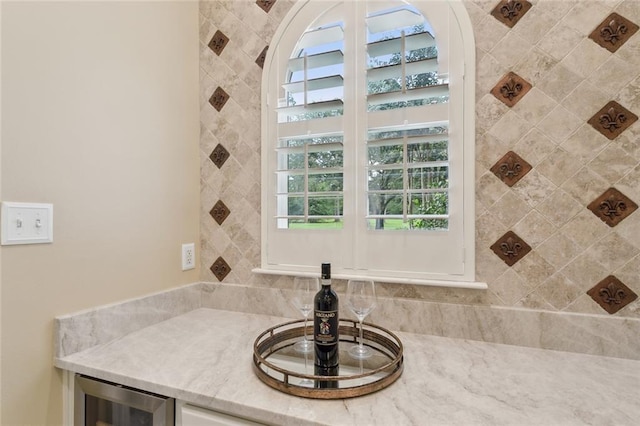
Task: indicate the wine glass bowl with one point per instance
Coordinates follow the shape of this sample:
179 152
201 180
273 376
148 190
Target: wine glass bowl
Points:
361 300
304 290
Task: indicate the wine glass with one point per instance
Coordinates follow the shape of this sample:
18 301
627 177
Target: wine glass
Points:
361 299
304 291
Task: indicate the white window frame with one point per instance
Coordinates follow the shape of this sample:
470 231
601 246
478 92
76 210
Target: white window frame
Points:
356 251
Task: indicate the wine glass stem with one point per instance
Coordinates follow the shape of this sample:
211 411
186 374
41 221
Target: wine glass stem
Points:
305 329
360 344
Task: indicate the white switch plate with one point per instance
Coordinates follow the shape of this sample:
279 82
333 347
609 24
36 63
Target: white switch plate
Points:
26 223
188 256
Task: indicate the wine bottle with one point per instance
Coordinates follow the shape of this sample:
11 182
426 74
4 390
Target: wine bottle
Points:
325 322
329 371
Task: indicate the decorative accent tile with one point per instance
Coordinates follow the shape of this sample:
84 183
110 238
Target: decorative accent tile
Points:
612 295
220 212
613 32
510 248
219 155
612 120
218 42
510 89
265 5
509 12
220 268
219 98
612 207
511 168
261 58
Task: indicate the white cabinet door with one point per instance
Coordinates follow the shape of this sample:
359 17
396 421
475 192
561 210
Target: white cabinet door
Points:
189 415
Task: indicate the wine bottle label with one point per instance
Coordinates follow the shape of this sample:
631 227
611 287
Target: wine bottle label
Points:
326 332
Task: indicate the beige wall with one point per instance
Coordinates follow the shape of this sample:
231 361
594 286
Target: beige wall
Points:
100 118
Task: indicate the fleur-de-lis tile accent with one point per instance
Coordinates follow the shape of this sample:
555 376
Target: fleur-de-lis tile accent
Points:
510 89
261 58
511 168
511 248
612 207
612 294
613 32
219 155
220 268
220 212
509 12
219 98
265 5
218 42
612 120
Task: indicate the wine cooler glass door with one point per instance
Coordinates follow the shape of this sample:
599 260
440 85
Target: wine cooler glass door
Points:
102 412
99 403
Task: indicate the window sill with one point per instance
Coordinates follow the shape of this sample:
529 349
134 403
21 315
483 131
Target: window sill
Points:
473 285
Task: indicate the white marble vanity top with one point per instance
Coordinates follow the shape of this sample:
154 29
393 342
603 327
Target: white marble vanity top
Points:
205 357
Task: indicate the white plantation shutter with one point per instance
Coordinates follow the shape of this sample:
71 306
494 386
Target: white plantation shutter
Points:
409 167
310 125
306 133
365 135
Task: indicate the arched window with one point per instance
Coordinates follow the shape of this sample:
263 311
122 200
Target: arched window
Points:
368 142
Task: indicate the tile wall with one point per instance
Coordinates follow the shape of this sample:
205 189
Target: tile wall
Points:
557 152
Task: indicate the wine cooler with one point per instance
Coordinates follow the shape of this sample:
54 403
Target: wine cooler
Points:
100 403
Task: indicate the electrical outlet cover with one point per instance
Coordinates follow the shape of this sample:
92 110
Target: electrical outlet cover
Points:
188 256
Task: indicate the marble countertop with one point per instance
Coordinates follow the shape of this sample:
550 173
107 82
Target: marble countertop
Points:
205 357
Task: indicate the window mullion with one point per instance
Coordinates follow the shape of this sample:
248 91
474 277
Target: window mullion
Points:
306 182
305 80
403 61
405 179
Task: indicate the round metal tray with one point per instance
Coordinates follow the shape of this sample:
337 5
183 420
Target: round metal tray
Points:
278 365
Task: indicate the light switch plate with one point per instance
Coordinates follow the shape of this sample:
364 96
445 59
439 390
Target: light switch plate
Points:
26 223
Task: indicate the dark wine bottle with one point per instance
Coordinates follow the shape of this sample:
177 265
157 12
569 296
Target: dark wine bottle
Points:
326 384
325 323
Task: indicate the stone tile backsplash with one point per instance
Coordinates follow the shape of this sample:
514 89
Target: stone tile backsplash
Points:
557 152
